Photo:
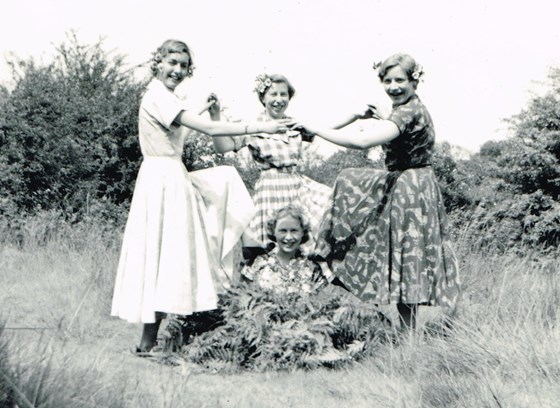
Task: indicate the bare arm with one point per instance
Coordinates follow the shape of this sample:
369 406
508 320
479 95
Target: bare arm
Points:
371 111
219 129
221 144
345 122
384 131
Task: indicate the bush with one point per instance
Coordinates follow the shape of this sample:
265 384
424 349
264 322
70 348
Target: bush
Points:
69 132
326 172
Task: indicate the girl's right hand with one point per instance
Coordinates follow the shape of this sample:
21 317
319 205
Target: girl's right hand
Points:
374 112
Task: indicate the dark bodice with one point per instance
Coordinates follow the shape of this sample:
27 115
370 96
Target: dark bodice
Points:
414 146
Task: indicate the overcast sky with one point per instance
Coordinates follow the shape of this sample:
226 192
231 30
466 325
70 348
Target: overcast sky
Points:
481 58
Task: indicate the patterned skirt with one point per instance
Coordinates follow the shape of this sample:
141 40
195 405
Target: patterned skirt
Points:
276 189
177 249
390 245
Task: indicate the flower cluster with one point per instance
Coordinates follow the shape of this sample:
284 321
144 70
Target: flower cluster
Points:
262 83
418 72
269 274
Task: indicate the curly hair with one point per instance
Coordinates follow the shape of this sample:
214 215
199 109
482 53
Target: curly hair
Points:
274 79
170 47
293 211
405 61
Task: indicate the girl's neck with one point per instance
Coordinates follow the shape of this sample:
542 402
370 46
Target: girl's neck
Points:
284 257
267 116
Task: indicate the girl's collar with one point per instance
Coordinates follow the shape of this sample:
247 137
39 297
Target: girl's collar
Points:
405 102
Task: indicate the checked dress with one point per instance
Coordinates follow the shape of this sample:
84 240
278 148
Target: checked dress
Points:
280 184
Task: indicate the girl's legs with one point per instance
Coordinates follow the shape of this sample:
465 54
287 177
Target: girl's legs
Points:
407 314
149 335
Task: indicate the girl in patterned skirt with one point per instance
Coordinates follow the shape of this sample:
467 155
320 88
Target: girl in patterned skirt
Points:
278 156
385 236
181 226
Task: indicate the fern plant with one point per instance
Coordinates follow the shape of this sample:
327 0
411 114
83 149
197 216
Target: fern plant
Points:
264 331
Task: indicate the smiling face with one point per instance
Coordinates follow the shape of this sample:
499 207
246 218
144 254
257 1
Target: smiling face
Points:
288 233
276 100
397 85
173 68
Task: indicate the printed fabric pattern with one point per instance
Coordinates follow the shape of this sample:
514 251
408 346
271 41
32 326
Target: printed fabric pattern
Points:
386 234
298 276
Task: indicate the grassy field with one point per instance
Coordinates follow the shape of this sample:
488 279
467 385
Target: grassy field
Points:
60 348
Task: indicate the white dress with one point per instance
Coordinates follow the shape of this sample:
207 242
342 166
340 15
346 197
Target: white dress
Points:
177 249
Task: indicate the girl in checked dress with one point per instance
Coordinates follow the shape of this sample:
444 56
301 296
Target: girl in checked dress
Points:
278 157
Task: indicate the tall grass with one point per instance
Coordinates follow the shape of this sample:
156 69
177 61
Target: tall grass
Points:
60 348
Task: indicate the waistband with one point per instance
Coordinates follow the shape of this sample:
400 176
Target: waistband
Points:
401 168
161 158
284 169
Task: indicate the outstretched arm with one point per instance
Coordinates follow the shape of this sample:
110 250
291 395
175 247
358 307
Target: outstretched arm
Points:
370 112
218 129
384 131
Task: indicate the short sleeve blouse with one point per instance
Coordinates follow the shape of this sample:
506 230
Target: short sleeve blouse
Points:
159 136
414 146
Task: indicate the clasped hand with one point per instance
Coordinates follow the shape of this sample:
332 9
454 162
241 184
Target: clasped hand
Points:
277 126
372 112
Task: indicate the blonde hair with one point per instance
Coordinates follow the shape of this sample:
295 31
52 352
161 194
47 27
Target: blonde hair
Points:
169 47
294 211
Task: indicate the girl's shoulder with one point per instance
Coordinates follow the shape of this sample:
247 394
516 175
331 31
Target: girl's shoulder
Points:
409 114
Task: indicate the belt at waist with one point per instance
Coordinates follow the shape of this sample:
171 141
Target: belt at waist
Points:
403 167
285 169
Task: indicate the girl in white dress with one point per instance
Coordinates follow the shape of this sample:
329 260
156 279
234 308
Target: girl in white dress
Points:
182 226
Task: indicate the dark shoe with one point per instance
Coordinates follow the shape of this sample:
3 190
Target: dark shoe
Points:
138 352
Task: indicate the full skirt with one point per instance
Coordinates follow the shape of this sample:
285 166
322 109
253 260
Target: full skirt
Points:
390 246
275 190
178 244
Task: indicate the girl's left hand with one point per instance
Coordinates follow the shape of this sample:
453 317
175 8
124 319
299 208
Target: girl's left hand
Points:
212 105
214 102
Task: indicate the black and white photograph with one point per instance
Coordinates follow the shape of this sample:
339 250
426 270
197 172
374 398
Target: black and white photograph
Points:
305 203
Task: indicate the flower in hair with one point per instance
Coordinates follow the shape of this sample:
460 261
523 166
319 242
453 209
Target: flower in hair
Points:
376 65
262 83
418 72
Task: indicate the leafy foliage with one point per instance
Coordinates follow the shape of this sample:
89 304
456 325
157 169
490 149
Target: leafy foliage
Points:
452 182
514 185
69 132
325 172
264 331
